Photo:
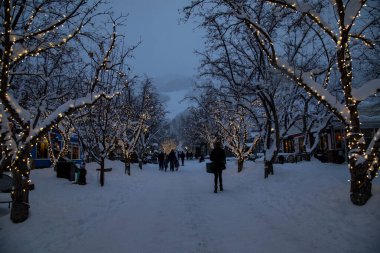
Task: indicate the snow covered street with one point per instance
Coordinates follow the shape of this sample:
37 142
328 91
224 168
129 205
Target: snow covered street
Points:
304 207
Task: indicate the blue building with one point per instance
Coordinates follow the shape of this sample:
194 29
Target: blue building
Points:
40 152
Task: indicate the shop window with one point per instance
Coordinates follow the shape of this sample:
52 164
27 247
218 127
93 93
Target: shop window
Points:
42 150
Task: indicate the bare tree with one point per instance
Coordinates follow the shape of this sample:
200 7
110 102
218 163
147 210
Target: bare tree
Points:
56 150
129 126
151 110
29 31
341 30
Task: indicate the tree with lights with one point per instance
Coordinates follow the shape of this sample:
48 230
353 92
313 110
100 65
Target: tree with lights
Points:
245 75
168 145
97 126
231 121
30 32
129 126
152 112
53 75
234 123
136 114
97 132
341 34
57 150
198 126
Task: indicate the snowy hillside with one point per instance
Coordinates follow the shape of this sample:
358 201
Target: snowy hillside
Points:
304 207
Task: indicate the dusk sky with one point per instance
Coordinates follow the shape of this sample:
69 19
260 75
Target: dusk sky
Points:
167 50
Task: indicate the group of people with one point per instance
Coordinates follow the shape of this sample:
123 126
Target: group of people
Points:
189 155
217 156
170 161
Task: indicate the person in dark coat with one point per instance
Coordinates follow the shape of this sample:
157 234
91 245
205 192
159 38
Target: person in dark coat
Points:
166 162
201 158
161 159
182 155
218 157
172 159
82 174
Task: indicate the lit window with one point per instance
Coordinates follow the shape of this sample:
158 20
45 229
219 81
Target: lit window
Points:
42 150
338 139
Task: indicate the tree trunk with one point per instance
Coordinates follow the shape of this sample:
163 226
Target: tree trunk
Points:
140 164
240 164
102 171
268 168
127 165
140 160
361 185
20 192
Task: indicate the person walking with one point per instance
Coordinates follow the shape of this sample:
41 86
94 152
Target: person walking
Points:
172 158
218 157
182 155
161 159
166 162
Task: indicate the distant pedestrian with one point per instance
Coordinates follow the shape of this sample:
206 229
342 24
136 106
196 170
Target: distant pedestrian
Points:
182 155
218 157
166 162
82 174
161 159
201 158
172 158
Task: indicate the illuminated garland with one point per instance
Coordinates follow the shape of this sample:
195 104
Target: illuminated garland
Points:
354 136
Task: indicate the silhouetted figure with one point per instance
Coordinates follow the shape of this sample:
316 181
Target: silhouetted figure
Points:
166 162
82 174
218 157
172 158
182 155
201 158
161 159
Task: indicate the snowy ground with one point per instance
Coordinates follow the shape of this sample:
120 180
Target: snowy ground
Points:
304 207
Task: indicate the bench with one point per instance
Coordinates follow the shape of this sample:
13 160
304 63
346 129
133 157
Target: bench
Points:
6 183
5 198
5 189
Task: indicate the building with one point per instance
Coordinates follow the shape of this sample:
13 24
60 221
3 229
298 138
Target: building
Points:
332 146
40 153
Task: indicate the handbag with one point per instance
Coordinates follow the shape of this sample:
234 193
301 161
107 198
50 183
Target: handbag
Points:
210 167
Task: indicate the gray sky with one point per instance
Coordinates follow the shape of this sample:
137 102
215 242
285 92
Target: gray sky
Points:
167 50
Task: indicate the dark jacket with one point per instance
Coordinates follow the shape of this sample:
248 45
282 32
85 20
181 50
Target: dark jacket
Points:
218 156
161 157
171 156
